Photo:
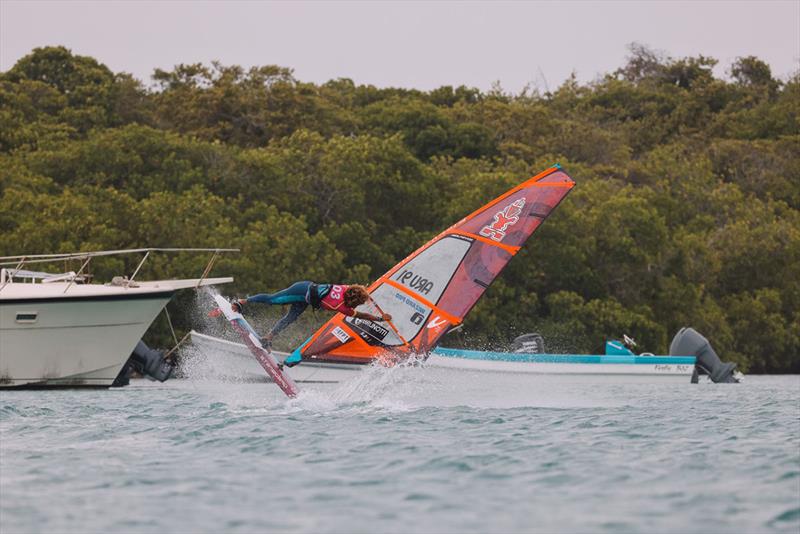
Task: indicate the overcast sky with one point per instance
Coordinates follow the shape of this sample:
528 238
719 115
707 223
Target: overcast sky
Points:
408 44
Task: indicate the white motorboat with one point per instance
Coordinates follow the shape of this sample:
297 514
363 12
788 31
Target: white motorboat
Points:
231 360
59 330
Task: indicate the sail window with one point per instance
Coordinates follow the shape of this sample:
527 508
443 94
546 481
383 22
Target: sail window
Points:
429 273
408 314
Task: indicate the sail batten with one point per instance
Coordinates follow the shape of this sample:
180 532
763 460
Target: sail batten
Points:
433 288
507 248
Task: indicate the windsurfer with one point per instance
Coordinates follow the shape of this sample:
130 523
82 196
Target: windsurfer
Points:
338 298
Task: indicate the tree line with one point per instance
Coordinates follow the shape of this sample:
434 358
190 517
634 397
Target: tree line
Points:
686 210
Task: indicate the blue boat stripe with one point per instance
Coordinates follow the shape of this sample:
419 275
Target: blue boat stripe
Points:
563 358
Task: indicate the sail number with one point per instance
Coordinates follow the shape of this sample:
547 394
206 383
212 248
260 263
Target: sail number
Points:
414 281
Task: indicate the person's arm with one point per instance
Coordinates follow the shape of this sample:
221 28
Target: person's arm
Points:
370 317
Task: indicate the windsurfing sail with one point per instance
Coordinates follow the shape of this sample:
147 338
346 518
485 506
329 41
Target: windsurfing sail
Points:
251 339
433 289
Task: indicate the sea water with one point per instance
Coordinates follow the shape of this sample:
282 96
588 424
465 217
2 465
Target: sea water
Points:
404 450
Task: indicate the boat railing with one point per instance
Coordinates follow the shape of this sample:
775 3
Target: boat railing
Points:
7 275
45 278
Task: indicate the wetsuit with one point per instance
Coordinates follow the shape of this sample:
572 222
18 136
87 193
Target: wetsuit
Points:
299 295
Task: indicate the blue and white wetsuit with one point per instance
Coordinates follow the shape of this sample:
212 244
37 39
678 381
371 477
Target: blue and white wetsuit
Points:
297 294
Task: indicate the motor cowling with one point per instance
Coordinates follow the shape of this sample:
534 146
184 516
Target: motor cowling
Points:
147 362
689 342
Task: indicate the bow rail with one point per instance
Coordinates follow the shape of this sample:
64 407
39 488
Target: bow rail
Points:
7 275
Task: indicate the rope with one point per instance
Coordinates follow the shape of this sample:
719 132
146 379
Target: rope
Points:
169 322
169 354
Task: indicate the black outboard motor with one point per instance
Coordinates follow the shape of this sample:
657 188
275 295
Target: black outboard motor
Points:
689 342
147 362
528 344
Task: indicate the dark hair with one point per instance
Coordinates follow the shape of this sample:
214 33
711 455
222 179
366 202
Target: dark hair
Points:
355 296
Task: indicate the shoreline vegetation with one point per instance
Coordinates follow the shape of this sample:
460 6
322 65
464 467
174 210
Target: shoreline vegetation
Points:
686 210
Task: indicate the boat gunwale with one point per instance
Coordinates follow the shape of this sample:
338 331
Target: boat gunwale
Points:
563 358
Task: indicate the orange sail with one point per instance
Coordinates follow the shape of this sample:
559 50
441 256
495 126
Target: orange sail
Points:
433 289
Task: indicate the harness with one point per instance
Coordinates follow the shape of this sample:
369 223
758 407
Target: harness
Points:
313 297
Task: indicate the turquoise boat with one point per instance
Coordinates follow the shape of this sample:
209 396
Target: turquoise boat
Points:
691 357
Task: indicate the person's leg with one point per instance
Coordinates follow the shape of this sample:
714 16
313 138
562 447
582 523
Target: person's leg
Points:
291 316
295 293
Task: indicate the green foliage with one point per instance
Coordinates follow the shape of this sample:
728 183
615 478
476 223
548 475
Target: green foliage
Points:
597 320
135 159
76 89
246 108
427 129
687 209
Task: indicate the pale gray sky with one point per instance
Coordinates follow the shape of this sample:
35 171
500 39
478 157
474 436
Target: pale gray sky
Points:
408 44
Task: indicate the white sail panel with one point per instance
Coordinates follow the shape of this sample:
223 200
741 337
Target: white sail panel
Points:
429 273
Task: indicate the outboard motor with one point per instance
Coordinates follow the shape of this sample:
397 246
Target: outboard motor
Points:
689 342
528 344
147 362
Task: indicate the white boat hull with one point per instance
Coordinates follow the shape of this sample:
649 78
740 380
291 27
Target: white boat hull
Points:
65 334
247 368
240 364
647 372
72 342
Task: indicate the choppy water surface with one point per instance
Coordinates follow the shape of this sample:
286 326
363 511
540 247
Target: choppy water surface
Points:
403 450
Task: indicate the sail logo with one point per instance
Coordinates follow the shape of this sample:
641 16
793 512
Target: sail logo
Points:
340 334
414 281
368 331
436 322
509 216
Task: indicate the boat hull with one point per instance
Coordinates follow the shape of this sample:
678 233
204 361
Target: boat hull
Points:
680 367
643 369
244 366
72 342
646 372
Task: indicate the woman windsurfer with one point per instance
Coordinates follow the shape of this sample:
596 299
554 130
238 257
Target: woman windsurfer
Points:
338 298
